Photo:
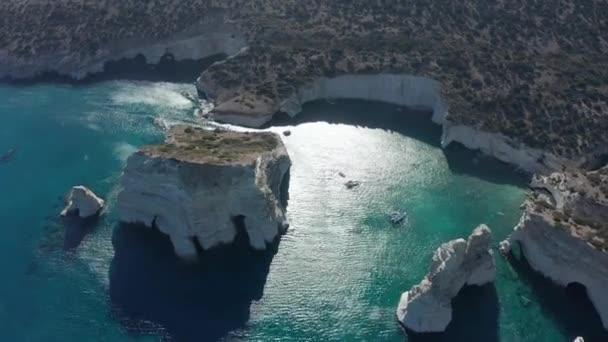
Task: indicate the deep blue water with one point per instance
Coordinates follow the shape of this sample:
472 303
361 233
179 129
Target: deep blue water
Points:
335 276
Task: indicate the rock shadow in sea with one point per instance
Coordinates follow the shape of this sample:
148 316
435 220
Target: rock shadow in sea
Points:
153 293
474 318
409 122
76 229
570 307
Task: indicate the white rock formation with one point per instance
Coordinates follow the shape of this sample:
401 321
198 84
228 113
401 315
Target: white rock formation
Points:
427 307
213 36
82 201
200 182
403 90
562 232
564 258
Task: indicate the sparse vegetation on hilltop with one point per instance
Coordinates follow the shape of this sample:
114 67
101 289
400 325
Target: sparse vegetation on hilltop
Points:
536 71
198 145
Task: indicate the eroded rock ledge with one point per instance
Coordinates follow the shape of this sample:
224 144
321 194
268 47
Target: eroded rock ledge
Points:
563 232
201 184
427 307
232 106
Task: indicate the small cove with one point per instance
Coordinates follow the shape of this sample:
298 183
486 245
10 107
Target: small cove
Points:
336 275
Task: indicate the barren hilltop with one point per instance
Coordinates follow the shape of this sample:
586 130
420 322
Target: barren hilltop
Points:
534 71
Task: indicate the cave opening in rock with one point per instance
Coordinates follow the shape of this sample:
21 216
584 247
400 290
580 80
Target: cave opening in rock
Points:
577 291
242 238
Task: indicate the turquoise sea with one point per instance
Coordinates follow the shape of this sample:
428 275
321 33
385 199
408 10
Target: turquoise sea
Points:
336 275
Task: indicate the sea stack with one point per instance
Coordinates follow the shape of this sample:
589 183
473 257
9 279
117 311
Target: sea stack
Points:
563 232
201 185
427 306
83 202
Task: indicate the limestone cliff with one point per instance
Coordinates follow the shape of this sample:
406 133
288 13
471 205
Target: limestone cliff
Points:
563 232
83 202
399 89
427 306
201 185
211 34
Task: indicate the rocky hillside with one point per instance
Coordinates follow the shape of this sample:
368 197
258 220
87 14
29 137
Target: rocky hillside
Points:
534 71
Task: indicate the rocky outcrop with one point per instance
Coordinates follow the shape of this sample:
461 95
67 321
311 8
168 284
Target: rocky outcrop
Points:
427 306
563 232
564 258
399 89
213 36
83 202
203 185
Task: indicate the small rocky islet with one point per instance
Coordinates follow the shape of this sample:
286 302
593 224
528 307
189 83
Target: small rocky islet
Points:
545 113
200 184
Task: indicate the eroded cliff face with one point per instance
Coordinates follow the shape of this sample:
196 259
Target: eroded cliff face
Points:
201 185
404 90
563 232
427 307
213 34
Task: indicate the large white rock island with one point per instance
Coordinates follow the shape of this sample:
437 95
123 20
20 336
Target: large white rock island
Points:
200 185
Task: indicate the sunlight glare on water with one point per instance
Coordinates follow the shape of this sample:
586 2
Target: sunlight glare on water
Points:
338 272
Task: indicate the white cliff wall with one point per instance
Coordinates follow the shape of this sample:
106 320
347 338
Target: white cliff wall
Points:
421 92
403 90
212 38
198 47
190 201
564 259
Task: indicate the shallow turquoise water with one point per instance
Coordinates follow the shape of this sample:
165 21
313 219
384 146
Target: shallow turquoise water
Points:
336 275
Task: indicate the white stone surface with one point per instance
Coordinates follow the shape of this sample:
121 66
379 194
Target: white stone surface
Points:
213 36
190 200
83 201
427 306
404 90
564 258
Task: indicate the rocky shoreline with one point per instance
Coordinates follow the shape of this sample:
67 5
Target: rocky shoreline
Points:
497 78
212 38
563 232
403 90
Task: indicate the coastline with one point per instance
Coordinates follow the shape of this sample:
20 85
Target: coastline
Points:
403 90
226 41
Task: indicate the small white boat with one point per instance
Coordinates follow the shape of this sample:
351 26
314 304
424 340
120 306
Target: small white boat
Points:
397 217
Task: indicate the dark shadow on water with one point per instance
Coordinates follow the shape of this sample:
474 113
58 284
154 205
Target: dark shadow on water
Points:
463 161
377 115
152 292
284 189
416 124
570 308
134 69
474 318
76 229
